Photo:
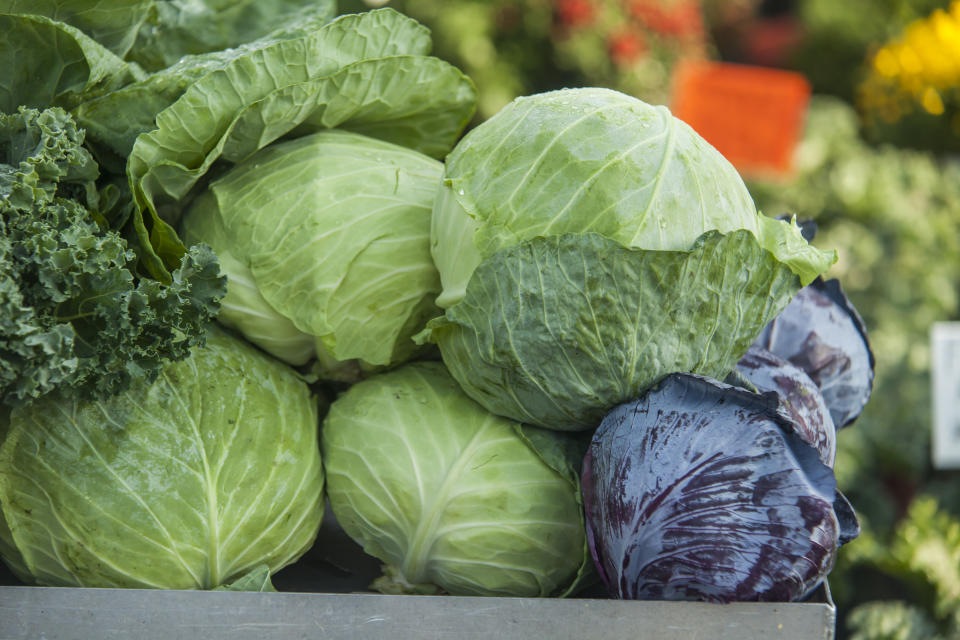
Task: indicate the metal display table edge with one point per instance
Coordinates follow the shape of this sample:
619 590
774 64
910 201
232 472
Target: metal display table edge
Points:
32 613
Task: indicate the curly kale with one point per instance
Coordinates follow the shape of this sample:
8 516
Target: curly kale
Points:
74 313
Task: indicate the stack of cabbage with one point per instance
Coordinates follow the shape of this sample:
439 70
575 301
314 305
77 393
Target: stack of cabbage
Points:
590 246
570 254
205 471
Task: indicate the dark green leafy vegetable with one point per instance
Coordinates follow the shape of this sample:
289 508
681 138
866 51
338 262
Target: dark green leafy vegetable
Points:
113 24
73 312
173 29
54 64
556 331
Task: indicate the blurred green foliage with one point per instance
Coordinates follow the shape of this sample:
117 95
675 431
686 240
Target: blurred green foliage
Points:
923 556
512 48
893 216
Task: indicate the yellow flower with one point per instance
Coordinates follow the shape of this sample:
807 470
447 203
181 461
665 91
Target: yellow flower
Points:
922 67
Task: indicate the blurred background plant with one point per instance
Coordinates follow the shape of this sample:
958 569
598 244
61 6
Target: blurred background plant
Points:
911 92
893 216
519 47
876 169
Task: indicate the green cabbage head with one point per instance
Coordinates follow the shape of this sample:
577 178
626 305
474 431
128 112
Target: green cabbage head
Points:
449 496
325 243
203 477
588 244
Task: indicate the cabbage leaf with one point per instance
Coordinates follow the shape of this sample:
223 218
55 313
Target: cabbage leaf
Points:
113 24
178 28
189 482
117 118
555 331
450 497
55 64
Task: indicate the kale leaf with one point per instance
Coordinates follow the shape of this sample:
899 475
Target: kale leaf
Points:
74 313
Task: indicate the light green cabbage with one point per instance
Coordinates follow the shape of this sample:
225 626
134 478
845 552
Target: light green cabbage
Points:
325 243
588 244
244 308
194 481
450 497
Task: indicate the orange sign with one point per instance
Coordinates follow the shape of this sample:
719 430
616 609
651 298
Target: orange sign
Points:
752 115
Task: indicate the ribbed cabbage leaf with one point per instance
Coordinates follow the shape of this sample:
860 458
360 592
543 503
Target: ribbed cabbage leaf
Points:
189 482
51 63
449 496
328 243
555 331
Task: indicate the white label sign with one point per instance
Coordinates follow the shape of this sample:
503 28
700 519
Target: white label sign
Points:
945 346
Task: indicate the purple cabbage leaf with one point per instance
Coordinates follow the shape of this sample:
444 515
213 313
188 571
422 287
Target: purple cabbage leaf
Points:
704 491
821 332
799 397
810 418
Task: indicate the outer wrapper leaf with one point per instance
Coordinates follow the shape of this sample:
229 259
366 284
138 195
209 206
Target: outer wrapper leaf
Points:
257 580
415 101
184 27
700 491
113 24
556 331
117 118
449 496
186 483
191 132
56 64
